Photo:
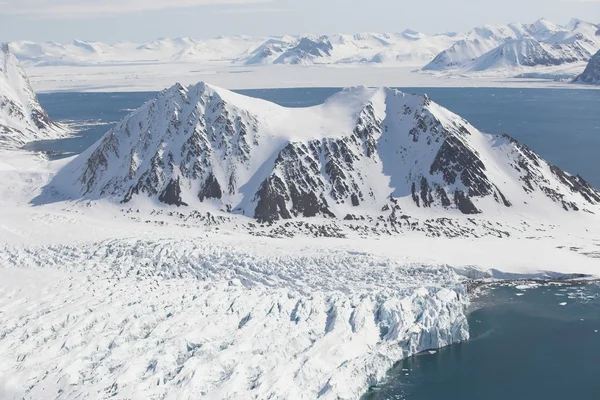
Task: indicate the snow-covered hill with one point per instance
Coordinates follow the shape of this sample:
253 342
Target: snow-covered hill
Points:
515 46
364 153
591 75
22 119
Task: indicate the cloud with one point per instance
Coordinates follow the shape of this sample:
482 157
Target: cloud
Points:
62 9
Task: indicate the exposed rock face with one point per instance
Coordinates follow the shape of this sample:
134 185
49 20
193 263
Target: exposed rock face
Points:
363 152
211 189
22 119
591 75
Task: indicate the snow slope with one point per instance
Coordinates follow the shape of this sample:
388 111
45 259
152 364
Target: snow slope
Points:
363 153
22 119
591 75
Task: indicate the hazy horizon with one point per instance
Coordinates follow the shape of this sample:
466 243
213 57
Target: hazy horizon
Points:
138 21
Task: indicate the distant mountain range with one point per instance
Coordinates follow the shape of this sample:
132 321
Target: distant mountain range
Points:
515 46
22 119
408 47
487 48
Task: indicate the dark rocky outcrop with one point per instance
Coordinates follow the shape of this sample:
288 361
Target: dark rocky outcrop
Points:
172 194
591 75
464 203
211 189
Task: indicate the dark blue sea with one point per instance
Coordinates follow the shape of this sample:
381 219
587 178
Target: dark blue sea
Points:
563 126
541 343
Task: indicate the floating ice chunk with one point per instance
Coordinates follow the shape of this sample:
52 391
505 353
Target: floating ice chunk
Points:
563 304
526 286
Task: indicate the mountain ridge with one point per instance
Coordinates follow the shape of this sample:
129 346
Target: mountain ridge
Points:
364 152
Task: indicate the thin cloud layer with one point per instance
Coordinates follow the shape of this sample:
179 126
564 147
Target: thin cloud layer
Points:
79 8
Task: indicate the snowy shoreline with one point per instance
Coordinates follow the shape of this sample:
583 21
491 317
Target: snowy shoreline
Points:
142 78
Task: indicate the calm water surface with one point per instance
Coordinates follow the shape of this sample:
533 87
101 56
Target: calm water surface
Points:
561 125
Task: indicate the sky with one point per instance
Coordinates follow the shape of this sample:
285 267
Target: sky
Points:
144 20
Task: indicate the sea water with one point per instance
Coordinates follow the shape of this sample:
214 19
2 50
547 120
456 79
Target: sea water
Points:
562 125
526 344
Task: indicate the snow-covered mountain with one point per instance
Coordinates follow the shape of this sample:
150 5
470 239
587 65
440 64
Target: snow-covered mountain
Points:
476 43
22 119
305 50
540 44
364 152
591 75
408 47
528 53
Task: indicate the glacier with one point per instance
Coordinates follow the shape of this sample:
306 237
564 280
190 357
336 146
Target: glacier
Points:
175 319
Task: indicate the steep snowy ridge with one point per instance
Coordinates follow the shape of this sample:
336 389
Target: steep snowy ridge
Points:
591 75
364 152
22 119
